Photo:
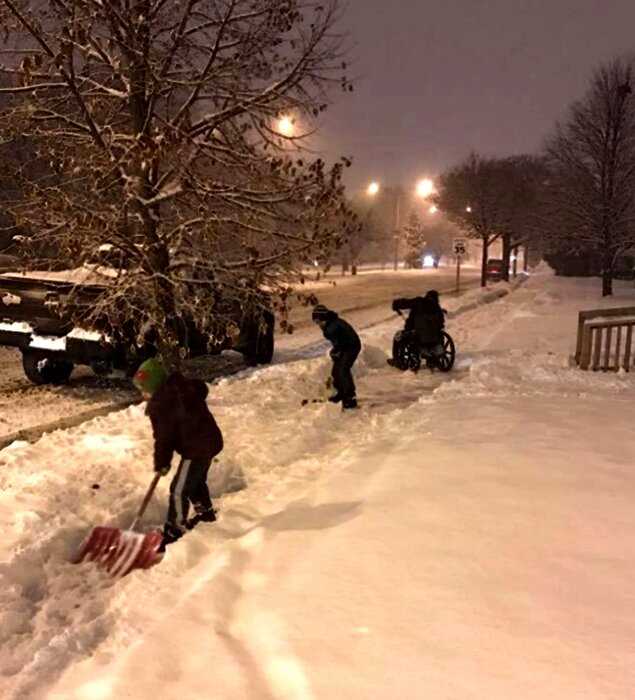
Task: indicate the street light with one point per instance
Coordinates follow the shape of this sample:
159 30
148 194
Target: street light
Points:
433 209
373 189
468 209
425 188
286 127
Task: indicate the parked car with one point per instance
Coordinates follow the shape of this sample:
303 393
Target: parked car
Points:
494 270
51 344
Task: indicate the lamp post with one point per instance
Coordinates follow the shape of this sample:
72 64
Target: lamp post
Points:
397 226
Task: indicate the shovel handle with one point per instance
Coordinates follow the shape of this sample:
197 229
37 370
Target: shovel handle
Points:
146 500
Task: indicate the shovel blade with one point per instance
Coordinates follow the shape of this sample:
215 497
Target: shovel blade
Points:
120 551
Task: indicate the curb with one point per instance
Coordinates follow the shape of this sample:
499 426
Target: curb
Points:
37 431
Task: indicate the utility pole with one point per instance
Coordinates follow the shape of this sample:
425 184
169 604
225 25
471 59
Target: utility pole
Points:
397 225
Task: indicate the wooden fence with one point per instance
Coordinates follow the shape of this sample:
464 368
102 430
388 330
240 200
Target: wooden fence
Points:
605 339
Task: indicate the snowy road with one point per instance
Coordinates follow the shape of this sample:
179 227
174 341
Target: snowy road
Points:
364 299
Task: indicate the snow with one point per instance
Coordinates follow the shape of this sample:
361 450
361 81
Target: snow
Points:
83 334
15 327
10 299
461 536
616 320
48 342
86 274
363 299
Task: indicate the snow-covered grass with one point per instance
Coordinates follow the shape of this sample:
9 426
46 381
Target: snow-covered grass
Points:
461 536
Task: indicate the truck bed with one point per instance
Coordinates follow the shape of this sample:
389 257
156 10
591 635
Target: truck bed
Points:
38 301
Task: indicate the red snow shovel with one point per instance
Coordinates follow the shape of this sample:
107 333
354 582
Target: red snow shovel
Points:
121 551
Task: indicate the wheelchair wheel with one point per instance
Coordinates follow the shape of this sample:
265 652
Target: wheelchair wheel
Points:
408 357
445 361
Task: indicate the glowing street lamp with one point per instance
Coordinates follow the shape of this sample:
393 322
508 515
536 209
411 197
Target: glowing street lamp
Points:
286 127
425 188
433 209
468 209
373 189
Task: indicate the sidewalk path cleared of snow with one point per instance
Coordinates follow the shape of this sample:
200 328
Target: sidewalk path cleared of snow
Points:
461 536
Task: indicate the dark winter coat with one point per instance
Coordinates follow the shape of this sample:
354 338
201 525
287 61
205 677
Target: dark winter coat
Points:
182 423
341 335
426 317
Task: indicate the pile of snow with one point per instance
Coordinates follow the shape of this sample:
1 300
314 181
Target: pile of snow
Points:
461 535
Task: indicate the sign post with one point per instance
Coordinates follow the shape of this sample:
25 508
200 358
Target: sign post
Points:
460 248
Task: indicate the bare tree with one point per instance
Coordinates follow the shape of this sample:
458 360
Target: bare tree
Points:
158 120
472 196
491 198
524 182
591 157
363 239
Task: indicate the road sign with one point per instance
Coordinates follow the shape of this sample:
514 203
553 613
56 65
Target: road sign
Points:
460 246
460 249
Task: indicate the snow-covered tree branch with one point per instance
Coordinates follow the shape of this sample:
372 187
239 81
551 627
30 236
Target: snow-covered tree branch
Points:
155 123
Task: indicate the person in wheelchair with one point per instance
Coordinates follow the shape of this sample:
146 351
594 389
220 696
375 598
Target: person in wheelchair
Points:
423 326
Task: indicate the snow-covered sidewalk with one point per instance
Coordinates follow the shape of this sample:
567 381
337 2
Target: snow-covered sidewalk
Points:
465 536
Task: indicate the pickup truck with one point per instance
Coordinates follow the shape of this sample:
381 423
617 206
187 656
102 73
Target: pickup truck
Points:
32 319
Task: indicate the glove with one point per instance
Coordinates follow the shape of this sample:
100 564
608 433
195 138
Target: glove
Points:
163 471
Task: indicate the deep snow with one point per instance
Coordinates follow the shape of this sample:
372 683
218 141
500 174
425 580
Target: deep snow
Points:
460 536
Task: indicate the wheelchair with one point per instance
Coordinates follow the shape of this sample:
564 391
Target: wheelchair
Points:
410 354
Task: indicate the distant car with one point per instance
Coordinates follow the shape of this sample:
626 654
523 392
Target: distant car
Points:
494 270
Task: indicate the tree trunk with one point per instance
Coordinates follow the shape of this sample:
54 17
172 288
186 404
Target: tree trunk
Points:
346 260
607 274
485 240
526 259
354 269
515 262
507 239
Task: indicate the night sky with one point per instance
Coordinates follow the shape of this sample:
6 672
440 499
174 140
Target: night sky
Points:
438 79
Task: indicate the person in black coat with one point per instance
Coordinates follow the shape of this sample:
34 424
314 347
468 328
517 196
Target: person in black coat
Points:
346 348
425 321
181 423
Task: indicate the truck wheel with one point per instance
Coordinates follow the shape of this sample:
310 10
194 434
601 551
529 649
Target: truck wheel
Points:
44 368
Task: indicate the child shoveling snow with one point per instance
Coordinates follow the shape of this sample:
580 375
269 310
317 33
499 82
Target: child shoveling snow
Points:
181 423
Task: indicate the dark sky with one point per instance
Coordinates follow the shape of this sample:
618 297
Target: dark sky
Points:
438 79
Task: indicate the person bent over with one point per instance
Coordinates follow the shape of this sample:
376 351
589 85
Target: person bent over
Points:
181 423
346 348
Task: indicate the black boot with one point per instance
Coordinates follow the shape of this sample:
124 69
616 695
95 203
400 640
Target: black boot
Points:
205 516
349 403
170 535
336 398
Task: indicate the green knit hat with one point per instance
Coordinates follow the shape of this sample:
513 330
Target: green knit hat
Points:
150 375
